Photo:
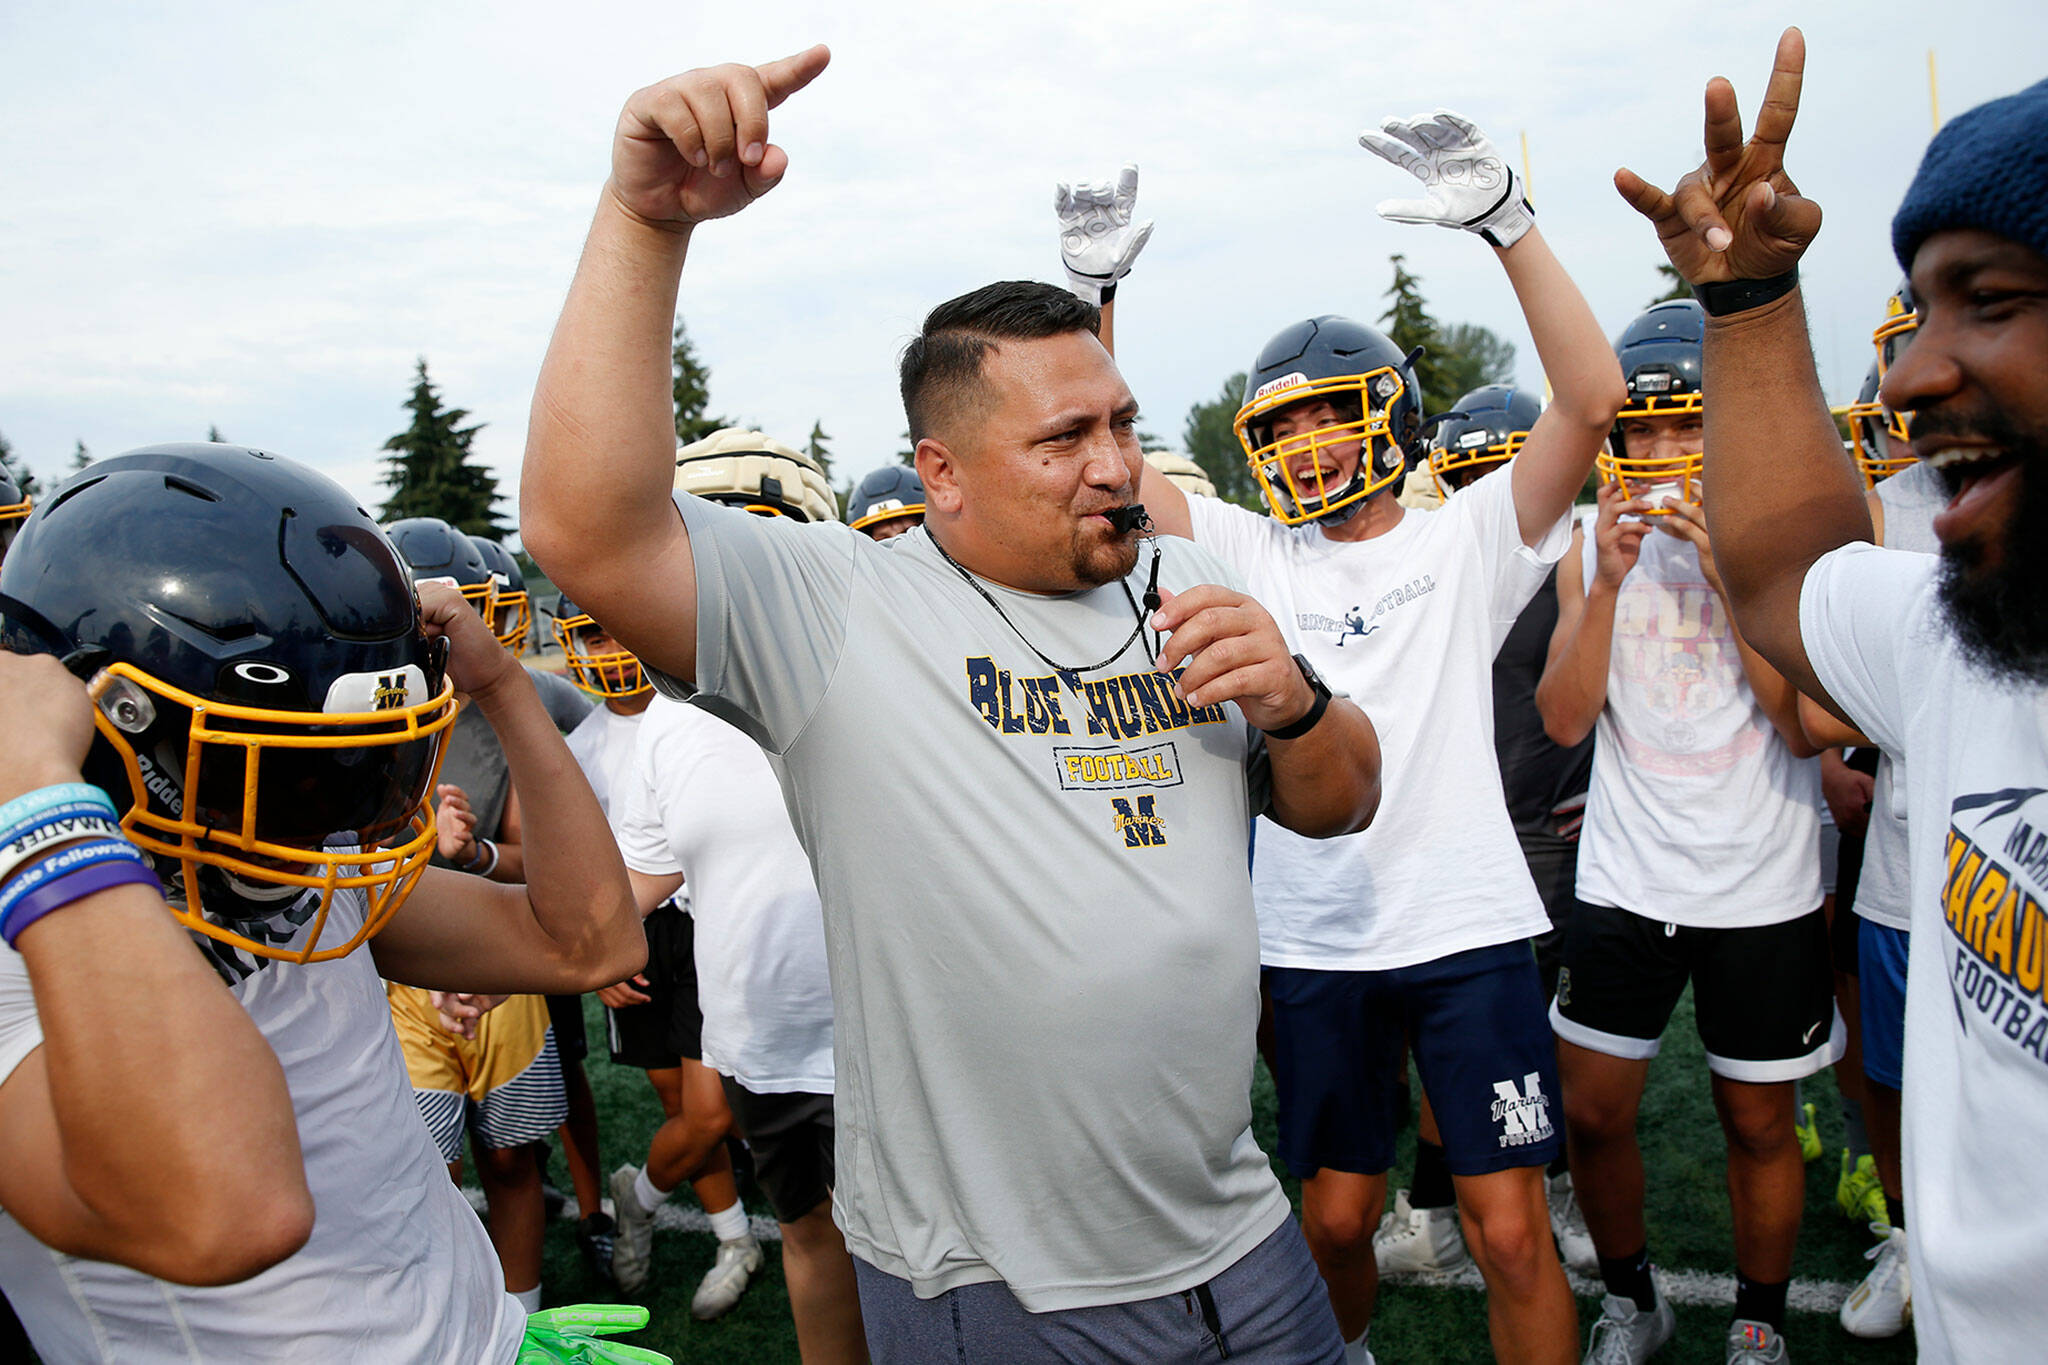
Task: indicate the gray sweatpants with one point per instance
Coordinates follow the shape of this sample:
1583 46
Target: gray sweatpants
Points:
1268 1309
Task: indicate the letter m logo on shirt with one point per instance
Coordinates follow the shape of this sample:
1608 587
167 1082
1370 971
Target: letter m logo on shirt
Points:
1141 827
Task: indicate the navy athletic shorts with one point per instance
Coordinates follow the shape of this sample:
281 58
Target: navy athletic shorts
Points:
1482 1047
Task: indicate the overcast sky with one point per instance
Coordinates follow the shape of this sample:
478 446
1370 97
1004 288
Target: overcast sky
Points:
257 216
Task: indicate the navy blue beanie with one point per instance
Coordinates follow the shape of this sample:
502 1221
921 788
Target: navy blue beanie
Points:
1987 169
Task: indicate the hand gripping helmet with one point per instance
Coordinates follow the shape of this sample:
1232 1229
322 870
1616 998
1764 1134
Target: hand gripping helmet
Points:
14 510
1485 428
511 612
1379 407
613 673
434 549
750 470
889 494
1182 473
1660 362
269 712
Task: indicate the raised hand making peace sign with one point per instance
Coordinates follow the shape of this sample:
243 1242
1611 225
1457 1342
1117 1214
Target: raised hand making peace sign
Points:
695 146
1739 216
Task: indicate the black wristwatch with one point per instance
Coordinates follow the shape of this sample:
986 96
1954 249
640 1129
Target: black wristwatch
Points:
1315 708
1720 298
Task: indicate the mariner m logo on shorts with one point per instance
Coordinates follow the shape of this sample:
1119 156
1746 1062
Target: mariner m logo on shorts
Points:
1524 1114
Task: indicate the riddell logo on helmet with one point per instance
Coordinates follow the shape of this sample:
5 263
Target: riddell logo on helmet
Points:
1285 381
159 785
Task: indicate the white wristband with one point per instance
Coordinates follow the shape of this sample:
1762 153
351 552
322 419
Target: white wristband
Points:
483 846
41 839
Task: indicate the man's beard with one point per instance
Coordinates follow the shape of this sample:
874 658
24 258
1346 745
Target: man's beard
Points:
2000 613
1095 565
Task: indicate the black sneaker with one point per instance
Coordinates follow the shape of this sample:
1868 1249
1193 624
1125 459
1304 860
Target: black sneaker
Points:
594 1240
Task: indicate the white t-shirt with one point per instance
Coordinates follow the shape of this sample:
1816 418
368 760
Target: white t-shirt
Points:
397 1268
1976 1063
700 799
603 744
1406 624
1911 497
1698 813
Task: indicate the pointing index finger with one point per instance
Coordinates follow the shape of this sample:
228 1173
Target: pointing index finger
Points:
784 77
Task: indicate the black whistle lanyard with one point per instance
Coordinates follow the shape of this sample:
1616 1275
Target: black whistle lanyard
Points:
1068 673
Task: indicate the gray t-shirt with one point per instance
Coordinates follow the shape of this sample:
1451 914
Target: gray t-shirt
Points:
475 763
1038 915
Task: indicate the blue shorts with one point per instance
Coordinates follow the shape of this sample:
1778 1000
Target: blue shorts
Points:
1482 1044
1881 968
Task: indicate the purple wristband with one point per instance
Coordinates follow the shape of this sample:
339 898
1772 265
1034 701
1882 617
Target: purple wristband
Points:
74 886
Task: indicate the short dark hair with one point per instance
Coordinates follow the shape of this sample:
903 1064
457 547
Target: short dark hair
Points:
942 363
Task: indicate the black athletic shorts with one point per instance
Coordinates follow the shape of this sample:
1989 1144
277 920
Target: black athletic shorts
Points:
1764 998
572 1045
790 1136
658 1035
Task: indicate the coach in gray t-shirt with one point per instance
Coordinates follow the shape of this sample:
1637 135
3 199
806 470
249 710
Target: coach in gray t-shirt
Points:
1029 840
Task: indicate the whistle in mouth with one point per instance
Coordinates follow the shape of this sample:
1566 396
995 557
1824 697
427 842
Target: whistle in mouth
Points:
1125 520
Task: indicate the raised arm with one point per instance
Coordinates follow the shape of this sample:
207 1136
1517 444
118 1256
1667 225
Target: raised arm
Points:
600 448
1467 183
1779 492
151 1127
572 926
1573 689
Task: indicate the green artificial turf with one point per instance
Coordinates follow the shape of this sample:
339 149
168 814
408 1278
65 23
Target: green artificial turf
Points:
1687 1213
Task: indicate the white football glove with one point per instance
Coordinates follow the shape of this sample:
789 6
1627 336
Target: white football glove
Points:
1466 182
1098 244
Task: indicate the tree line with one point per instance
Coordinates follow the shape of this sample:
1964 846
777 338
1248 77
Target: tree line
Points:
430 470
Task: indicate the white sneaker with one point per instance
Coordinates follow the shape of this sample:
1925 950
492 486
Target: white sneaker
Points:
1419 1239
727 1279
633 1238
1882 1305
1574 1243
1755 1343
1624 1334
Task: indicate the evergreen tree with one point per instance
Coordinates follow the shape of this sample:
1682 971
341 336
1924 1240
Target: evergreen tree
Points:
1455 359
18 470
1471 356
815 447
80 457
1210 436
691 388
213 435
429 470
1675 286
1149 441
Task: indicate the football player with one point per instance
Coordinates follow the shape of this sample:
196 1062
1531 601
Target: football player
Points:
886 502
1699 860
1544 781
657 1021
272 695
1375 937
698 805
1905 496
504 1073
511 605
1941 661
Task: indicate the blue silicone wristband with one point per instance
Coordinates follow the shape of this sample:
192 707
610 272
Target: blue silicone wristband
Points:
60 863
72 887
47 798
